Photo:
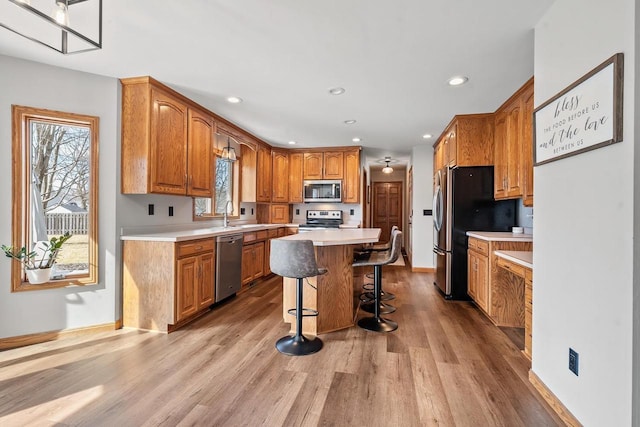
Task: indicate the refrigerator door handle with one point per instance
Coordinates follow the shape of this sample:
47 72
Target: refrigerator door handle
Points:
436 210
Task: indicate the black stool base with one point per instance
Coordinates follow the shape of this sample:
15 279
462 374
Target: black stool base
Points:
384 308
377 324
298 345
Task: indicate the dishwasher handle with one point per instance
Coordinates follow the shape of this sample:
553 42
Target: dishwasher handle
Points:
230 238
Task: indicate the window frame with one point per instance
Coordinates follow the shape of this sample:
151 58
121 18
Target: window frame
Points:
21 202
235 190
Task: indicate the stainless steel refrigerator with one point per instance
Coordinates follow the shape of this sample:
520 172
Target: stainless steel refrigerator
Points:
463 201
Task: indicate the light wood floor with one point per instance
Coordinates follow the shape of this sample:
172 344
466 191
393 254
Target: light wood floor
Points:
446 365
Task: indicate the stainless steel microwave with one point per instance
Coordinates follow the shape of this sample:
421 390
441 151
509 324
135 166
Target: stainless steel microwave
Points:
322 191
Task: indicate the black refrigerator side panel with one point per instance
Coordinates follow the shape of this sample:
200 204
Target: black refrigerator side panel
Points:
459 273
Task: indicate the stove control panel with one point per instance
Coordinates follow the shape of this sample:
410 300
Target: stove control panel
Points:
324 214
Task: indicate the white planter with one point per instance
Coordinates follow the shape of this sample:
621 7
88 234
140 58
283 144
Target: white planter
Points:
38 276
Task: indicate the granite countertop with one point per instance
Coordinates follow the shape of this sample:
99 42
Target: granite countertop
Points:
500 236
337 237
523 258
179 235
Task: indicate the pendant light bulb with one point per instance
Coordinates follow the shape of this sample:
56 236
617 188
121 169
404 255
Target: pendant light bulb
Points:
228 152
61 13
387 169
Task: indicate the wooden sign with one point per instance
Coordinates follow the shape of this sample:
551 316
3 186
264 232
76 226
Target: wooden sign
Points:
585 116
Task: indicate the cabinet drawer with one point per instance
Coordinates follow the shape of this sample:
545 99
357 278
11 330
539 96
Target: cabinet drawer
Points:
272 232
261 235
516 269
282 231
479 245
194 247
249 237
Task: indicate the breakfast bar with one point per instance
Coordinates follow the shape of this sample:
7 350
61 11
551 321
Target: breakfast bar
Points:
332 293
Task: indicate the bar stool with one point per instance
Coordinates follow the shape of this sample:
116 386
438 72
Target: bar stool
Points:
296 259
377 260
367 297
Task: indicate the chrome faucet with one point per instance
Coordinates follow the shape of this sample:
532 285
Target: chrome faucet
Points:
225 219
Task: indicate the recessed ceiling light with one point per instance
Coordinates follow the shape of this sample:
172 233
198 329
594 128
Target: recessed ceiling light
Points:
356 139
427 136
349 122
458 80
337 90
234 100
292 143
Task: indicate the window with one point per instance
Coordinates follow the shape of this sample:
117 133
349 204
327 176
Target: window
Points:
55 182
226 189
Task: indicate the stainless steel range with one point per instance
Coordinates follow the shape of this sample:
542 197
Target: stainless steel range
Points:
318 220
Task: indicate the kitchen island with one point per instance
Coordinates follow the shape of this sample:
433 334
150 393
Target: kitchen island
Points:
331 294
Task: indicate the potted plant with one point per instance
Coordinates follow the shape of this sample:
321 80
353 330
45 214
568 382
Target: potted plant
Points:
38 262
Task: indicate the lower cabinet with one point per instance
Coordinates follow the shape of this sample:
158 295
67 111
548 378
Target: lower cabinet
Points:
478 267
528 311
167 286
253 256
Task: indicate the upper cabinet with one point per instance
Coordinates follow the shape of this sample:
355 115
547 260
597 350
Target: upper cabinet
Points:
165 141
323 165
263 179
513 172
351 181
467 141
295 177
280 176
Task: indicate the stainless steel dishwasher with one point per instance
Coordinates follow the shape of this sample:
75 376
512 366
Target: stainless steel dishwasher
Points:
228 265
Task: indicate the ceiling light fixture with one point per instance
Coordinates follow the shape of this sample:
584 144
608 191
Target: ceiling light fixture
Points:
356 139
292 143
349 122
387 168
458 80
228 152
52 29
234 100
337 90
427 136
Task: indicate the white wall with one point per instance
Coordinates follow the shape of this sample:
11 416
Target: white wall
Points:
422 226
35 85
583 225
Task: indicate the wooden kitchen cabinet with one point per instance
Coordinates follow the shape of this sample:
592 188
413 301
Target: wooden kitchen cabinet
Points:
496 298
513 146
271 234
165 139
280 176
295 178
178 285
351 181
263 174
273 213
468 141
248 169
323 165
253 255
478 272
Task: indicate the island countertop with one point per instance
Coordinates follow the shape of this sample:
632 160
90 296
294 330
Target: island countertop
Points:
336 237
500 236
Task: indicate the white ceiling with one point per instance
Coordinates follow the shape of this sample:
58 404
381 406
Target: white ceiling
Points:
281 57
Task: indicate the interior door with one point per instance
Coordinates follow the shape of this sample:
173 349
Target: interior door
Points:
387 207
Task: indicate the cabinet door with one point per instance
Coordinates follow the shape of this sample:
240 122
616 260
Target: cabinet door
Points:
514 135
472 281
258 260
452 143
168 149
263 180
333 165
280 172
206 280
351 182
500 156
186 298
279 214
248 261
482 276
267 254
200 154
248 173
312 168
295 177
527 146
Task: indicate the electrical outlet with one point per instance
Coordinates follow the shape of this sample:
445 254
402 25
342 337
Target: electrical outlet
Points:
170 210
241 211
573 361
352 212
427 212
297 211
150 208
251 211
